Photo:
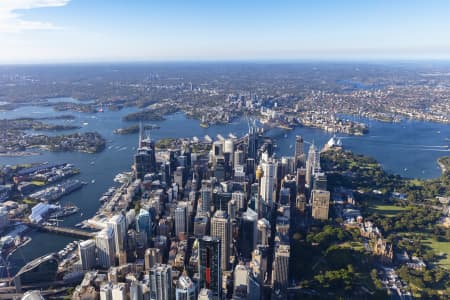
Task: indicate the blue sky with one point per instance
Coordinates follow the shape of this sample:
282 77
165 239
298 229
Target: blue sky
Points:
160 30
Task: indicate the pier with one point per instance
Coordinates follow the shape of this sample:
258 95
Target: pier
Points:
60 230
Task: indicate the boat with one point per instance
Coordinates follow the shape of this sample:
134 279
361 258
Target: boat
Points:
93 181
85 123
204 125
65 211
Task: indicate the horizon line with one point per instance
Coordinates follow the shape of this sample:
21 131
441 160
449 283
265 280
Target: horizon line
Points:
225 60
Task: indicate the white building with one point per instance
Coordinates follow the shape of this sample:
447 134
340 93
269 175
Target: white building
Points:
86 251
104 241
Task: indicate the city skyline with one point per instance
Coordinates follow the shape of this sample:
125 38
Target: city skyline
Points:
58 31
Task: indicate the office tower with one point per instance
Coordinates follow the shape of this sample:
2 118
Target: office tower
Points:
299 154
152 257
285 195
301 203
136 291
301 180
206 197
268 182
117 224
239 197
263 234
220 228
232 209
119 291
144 161
205 294
320 181
239 174
238 159
106 291
259 262
280 271
161 282
209 262
104 241
179 177
247 233
185 289
254 288
86 251
241 281
201 225
144 224
252 142
180 218
320 204
228 146
310 166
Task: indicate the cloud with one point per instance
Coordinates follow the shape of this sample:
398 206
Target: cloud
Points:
13 22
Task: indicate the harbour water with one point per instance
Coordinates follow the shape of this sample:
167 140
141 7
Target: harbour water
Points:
408 148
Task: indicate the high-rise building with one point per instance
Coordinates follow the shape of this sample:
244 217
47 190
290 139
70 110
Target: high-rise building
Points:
180 218
280 270
86 251
201 225
239 197
252 142
320 181
320 204
118 224
241 281
299 154
136 291
119 291
152 257
144 162
106 291
104 241
220 228
263 227
247 233
206 197
301 180
209 262
144 224
161 282
185 289
238 159
310 166
205 294
268 182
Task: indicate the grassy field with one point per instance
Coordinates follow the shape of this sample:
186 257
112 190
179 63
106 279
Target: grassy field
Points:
440 247
385 209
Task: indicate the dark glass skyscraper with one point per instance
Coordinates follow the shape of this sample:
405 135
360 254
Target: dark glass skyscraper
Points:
210 265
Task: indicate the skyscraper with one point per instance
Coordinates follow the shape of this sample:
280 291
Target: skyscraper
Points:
220 228
118 225
185 289
247 232
252 142
280 269
152 257
320 204
104 241
144 223
161 282
299 154
310 166
206 197
209 263
268 182
180 218
144 162
86 251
